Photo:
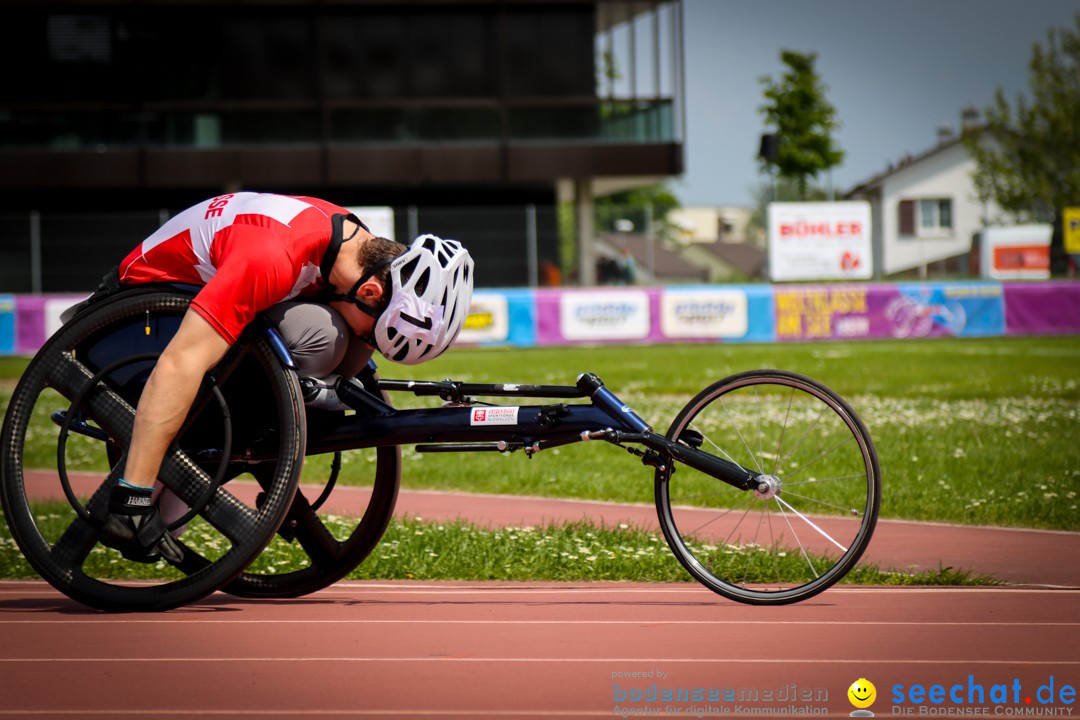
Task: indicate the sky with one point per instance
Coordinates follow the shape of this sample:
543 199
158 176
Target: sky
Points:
894 71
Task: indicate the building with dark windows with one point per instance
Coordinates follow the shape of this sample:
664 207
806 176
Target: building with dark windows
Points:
470 118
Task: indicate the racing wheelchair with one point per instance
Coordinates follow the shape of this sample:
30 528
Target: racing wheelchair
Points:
767 484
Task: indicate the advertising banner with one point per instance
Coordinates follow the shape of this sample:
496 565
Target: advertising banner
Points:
503 317
1042 308
716 313
960 309
1020 251
815 312
844 312
488 320
7 324
704 313
1071 223
604 315
29 324
53 308
37 317
820 241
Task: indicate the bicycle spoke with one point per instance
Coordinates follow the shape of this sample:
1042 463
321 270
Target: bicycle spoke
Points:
749 556
719 449
741 438
727 540
846 511
818 481
798 542
727 491
783 430
822 454
810 522
802 438
724 514
757 413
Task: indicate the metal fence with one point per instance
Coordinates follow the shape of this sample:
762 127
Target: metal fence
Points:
50 252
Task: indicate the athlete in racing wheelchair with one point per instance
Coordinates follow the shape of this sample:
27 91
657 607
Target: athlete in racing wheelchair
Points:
330 290
775 498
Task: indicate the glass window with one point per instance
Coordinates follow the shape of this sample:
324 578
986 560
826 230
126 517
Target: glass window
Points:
928 214
268 57
945 213
935 216
550 52
397 55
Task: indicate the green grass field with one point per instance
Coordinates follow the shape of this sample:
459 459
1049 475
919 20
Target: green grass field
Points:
981 431
413 549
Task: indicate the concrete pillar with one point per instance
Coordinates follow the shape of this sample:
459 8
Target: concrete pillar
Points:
586 232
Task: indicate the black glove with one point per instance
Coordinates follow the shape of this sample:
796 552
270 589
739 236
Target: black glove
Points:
135 528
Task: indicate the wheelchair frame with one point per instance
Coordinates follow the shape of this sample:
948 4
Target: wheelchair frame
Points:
586 411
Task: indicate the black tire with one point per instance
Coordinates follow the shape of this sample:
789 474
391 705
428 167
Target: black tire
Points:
328 558
254 384
814 511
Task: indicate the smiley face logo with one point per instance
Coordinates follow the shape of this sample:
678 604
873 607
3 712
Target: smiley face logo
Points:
862 693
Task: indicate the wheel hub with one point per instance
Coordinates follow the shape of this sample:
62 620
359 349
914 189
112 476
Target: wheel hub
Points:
768 487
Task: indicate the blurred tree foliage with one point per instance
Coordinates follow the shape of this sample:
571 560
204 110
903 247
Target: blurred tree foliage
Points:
1027 154
804 121
636 205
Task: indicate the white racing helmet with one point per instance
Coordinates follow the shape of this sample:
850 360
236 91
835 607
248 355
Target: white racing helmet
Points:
431 290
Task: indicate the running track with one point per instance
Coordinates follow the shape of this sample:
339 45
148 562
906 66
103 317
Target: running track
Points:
445 650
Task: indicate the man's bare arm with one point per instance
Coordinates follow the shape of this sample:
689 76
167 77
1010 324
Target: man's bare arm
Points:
169 393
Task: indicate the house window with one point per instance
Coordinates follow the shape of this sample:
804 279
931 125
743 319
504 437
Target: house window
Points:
935 216
928 217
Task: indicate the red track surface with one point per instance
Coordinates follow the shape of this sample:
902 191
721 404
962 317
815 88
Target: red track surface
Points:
431 650
513 651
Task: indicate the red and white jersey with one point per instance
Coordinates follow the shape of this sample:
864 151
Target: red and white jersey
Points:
248 250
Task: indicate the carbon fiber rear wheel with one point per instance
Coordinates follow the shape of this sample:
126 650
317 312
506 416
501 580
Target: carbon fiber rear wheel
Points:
63 545
333 549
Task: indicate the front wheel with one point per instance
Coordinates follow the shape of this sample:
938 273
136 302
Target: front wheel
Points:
813 511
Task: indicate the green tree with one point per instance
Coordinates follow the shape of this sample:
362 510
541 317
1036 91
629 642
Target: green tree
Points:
636 205
803 119
1027 154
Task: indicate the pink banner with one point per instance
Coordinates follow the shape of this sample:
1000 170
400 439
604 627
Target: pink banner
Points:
1048 308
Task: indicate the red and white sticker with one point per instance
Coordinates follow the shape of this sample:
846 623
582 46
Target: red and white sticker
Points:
494 416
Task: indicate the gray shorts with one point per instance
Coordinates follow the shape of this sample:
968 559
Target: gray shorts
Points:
320 340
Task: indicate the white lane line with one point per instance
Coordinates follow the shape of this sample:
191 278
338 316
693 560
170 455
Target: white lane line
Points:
644 621
689 661
693 589
340 589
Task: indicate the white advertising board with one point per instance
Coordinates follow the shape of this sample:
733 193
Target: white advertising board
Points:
604 315
1018 252
54 308
703 313
820 241
379 220
488 320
